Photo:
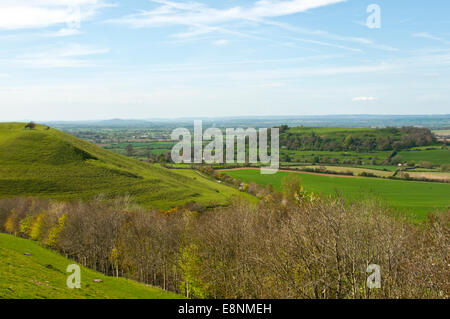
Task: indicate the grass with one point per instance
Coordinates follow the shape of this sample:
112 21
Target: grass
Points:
414 198
442 132
354 170
433 174
42 275
434 156
55 165
220 189
308 156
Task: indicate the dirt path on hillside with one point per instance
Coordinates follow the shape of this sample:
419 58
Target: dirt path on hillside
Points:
289 171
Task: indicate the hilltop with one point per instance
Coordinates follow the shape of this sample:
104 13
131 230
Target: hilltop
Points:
48 163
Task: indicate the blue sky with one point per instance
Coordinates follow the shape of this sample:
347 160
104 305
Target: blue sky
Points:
101 59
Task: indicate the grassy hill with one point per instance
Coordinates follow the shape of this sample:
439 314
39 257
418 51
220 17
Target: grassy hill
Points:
52 164
42 274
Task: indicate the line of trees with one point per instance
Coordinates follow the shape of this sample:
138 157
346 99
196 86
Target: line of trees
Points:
288 246
384 140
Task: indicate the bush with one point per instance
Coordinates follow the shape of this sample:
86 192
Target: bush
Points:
403 175
367 174
426 165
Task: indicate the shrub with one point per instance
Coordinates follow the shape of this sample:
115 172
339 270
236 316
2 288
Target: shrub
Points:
403 175
425 164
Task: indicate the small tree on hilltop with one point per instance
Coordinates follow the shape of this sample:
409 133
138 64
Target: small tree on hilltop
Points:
31 126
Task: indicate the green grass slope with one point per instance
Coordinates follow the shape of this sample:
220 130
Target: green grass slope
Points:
42 275
414 198
52 164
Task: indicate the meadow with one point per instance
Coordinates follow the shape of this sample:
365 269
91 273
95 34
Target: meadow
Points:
41 274
434 156
416 199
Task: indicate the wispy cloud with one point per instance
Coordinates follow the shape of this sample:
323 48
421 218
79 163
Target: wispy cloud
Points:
31 14
364 99
64 32
330 36
201 19
426 35
327 44
221 42
73 55
194 13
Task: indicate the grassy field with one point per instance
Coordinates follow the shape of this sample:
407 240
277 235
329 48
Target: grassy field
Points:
432 174
434 156
221 190
442 132
142 148
55 165
354 170
414 198
308 156
42 275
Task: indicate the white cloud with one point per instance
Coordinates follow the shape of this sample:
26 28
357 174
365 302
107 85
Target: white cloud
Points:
327 44
221 42
331 36
198 14
27 14
73 55
426 35
64 32
201 19
364 99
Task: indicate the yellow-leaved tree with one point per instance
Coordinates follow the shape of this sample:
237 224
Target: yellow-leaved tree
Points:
11 222
25 225
191 271
55 231
37 227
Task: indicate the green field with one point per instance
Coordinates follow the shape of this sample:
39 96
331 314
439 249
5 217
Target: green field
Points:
55 165
42 275
308 156
434 156
141 149
414 198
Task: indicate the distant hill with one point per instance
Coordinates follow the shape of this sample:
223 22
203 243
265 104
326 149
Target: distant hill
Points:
28 270
45 162
437 121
